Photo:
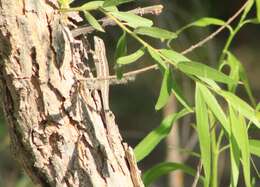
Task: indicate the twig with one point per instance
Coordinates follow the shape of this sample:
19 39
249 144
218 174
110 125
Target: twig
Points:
199 44
202 42
196 179
155 10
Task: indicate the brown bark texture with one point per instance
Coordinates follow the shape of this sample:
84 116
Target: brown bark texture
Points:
56 127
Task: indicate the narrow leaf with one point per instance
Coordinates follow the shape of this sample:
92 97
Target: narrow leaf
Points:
121 50
241 106
93 22
214 106
206 21
174 57
258 10
131 58
165 91
239 131
254 146
180 96
163 168
233 64
155 32
64 3
133 20
237 72
203 133
92 5
155 137
235 154
203 22
249 5
115 2
158 59
202 70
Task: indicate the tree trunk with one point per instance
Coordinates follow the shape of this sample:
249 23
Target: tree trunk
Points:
56 129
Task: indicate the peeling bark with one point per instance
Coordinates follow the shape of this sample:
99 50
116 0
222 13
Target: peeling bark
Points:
56 130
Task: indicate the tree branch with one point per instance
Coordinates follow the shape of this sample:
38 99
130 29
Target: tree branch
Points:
85 29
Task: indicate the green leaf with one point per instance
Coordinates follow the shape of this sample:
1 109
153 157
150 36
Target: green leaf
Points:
93 22
163 168
179 95
254 146
204 22
121 50
239 131
241 106
132 20
173 56
155 32
214 106
131 58
92 5
202 70
235 154
157 135
203 132
115 2
158 59
234 159
249 5
165 91
168 86
258 10
237 72
64 3
211 83
233 64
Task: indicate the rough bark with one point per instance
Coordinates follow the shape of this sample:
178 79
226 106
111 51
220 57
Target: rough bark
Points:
56 129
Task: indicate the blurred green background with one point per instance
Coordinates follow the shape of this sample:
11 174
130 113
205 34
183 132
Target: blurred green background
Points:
133 104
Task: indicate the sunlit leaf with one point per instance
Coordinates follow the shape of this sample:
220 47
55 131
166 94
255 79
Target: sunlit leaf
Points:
158 59
249 5
165 91
93 22
254 146
202 70
180 96
121 50
258 10
235 154
133 20
155 32
92 5
163 168
64 3
131 58
241 106
239 131
214 106
233 64
237 72
115 2
204 22
203 132
158 134
173 56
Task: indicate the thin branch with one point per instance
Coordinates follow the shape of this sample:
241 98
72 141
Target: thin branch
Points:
155 10
196 179
202 42
199 44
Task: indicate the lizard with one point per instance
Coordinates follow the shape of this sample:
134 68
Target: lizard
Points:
102 71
